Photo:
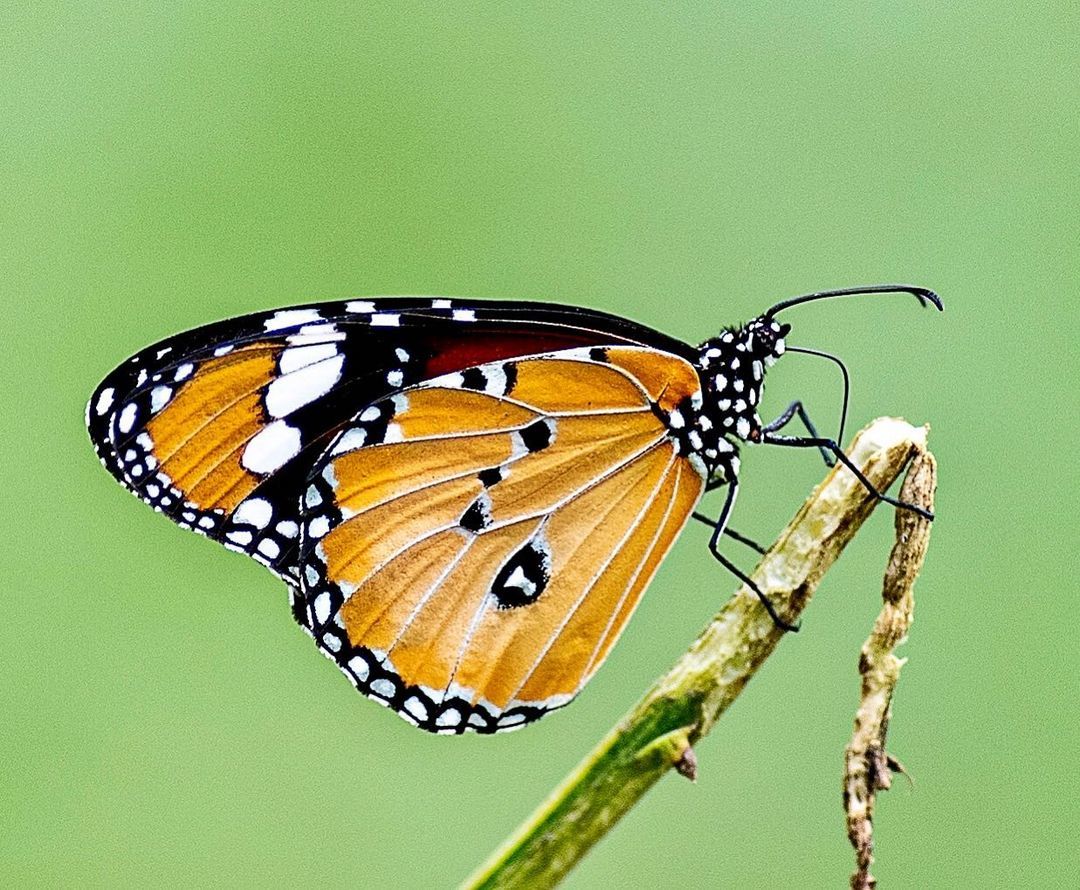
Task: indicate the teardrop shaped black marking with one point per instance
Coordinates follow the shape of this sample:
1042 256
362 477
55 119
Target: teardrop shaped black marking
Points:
478 516
490 476
523 577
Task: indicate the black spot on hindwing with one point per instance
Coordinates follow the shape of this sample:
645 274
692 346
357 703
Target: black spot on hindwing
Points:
524 576
537 436
478 516
474 378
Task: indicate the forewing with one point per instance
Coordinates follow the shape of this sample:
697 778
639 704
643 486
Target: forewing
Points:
218 428
473 546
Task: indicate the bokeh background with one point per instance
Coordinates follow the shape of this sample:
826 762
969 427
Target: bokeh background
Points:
162 720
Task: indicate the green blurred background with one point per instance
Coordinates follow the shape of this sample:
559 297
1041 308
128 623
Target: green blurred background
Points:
161 717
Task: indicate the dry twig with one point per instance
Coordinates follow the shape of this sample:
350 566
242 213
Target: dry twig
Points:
868 768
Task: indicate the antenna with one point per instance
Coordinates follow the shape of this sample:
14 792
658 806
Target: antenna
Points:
847 381
922 294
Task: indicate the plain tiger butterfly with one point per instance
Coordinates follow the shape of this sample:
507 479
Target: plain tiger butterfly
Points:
465 498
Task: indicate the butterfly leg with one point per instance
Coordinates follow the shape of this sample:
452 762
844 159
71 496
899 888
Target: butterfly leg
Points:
731 533
820 442
797 408
714 548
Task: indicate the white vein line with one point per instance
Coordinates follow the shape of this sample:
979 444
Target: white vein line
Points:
411 491
508 522
585 360
429 593
615 551
474 623
466 434
571 356
586 674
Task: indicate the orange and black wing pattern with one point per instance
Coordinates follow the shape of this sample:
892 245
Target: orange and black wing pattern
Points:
218 428
473 545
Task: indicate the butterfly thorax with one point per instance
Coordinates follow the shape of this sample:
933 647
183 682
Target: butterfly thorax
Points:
732 368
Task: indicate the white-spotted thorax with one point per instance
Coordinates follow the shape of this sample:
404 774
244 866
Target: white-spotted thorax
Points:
732 368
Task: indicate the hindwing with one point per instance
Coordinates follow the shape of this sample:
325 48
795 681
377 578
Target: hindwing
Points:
473 545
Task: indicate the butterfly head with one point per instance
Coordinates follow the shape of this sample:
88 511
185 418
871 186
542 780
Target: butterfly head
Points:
732 370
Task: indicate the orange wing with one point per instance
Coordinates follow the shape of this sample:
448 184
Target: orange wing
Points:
474 546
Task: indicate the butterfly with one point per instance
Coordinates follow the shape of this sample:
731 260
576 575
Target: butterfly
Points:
465 498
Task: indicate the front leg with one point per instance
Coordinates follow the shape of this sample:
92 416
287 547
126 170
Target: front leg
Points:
821 442
797 408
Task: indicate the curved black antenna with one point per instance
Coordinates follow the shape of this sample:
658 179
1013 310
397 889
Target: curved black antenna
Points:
847 381
922 294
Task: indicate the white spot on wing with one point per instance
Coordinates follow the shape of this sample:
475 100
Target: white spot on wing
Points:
127 418
271 448
350 440
298 357
104 400
359 306
385 320
254 511
449 717
383 688
464 315
159 398
453 380
297 389
496 381
359 668
287 318
521 581
269 548
416 707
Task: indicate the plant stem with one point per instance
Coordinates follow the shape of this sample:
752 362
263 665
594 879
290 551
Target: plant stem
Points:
681 707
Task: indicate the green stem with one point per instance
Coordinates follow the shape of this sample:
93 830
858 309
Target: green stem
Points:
681 707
